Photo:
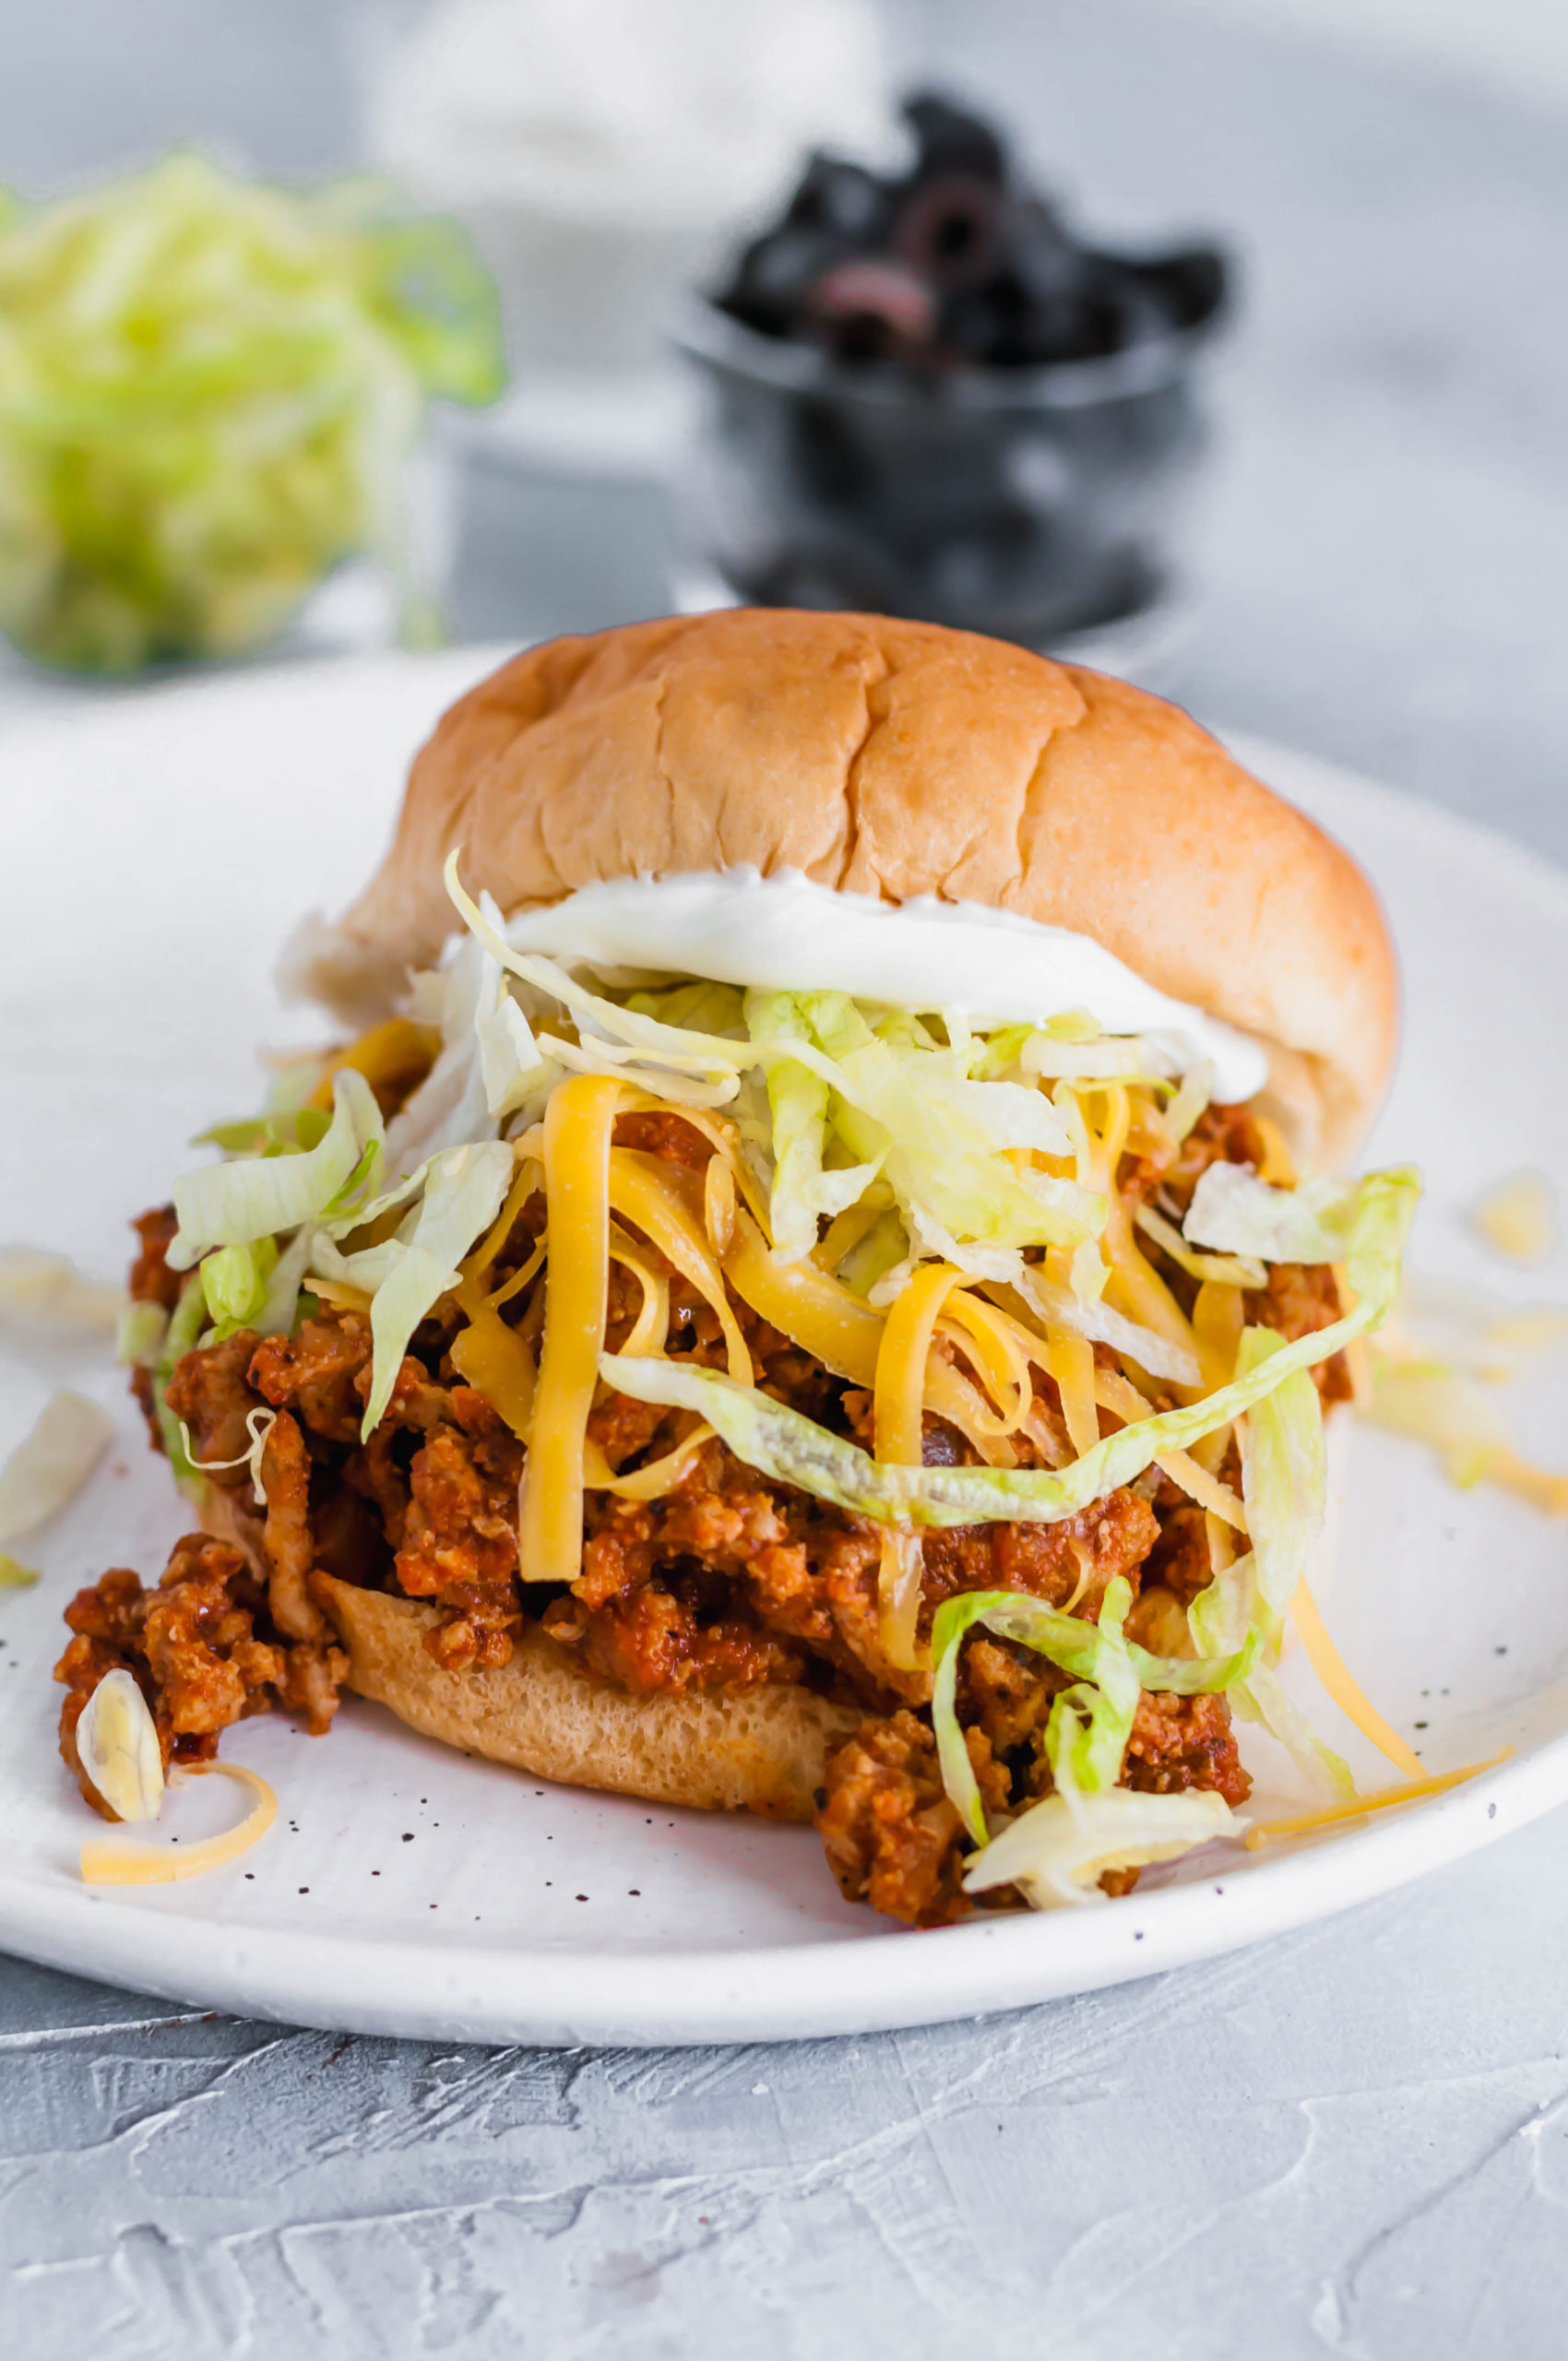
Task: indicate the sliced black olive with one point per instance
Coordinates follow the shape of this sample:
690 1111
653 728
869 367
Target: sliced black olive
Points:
950 229
843 199
950 139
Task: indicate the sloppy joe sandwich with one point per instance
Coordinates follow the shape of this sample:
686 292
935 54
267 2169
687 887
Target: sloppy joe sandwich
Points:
811 1276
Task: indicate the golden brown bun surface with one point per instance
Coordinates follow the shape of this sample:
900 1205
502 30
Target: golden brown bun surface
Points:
744 1750
898 759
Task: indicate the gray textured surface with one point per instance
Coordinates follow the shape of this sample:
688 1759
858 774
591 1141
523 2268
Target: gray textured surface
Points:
1352 2141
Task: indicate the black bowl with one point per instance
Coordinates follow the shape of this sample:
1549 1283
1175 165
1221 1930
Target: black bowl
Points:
1028 503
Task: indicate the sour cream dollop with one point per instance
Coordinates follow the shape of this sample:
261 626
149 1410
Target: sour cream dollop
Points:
786 933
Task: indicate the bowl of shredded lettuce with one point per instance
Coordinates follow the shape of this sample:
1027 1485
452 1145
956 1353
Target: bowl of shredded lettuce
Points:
211 388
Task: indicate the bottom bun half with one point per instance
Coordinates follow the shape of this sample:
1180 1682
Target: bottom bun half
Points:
747 1750
759 1750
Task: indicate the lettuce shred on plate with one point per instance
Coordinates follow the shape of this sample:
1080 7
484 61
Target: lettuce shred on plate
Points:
209 390
974 1379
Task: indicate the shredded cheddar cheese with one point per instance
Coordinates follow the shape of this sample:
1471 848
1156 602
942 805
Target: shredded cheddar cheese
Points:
495 1362
1069 1358
488 1354
803 1303
1300 1823
950 1395
1517 1217
898 1400
1114 1394
998 1352
396 1053
578 1123
650 1483
651 1327
105 1861
1279 1165
1133 1288
525 1184
1219 1314
339 1292
721 1135
718 1204
647 1191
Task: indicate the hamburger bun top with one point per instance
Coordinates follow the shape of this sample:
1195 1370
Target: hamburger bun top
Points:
895 759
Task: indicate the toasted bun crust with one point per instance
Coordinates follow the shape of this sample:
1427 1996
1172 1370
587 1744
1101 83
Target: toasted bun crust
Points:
895 759
752 1750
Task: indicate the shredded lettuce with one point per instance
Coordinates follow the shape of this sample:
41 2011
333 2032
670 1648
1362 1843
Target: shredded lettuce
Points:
1189 1102
707 1007
282 1133
186 1322
117 1742
1225 1270
1232 1209
944 1143
139 1340
1082 1316
234 1283
463 1189
802 1192
1284 1481
1261 1697
53 1461
1284 1472
208 388
1057 1852
1106 1686
276 1316
909 1108
1072 1049
854 1094
1089 1723
256 1196
47 1292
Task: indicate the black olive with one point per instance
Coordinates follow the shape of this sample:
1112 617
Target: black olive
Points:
870 309
949 140
775 276
1041 256
1191 286
843 199
949 230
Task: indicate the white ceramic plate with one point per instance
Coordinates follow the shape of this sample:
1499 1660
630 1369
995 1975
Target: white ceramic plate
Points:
158 851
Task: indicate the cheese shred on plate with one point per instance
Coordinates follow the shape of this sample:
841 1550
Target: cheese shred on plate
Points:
106 1861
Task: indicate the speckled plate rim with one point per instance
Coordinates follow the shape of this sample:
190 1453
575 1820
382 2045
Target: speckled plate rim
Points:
562 1999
